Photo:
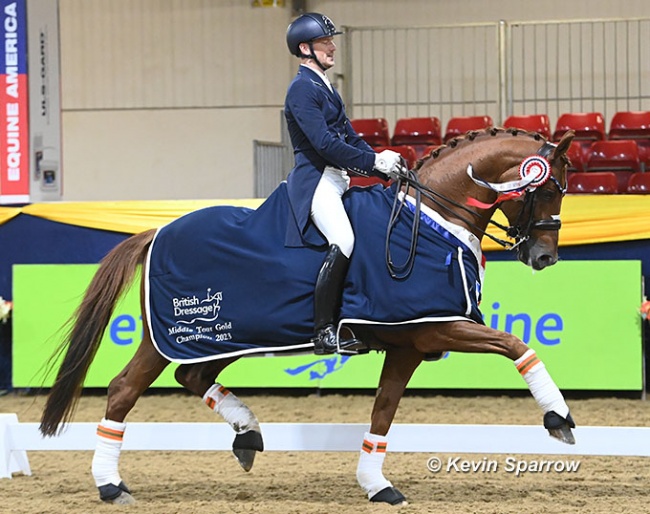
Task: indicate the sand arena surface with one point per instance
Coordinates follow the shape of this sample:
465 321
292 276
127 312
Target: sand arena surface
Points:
293 482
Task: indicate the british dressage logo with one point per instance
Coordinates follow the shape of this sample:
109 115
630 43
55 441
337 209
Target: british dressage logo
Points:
190 309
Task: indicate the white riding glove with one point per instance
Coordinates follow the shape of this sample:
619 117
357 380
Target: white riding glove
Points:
387 163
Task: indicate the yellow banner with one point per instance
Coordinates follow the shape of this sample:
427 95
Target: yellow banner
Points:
586 219
6 213
128 216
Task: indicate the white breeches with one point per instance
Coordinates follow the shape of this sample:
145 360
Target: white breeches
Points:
328 213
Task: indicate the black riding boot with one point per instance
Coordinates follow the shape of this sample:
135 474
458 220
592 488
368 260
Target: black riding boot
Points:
327 303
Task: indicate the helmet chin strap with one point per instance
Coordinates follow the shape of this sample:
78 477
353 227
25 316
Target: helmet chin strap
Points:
312 55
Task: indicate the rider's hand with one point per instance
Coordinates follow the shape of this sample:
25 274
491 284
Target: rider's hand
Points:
387 163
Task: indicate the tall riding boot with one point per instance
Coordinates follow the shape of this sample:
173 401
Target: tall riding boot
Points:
327 303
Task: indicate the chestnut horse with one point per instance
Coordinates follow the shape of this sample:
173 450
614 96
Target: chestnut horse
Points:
460 186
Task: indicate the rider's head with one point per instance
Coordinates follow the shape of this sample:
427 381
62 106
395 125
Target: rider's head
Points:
311 36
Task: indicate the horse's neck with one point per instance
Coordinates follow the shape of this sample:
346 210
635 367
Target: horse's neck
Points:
447 175
491 155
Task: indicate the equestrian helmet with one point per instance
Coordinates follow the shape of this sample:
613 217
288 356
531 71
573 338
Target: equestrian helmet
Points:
307 28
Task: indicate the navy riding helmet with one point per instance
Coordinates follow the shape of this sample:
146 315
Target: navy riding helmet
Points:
307 28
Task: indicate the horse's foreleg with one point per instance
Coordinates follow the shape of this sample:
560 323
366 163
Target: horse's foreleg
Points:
474 338
199 378
123 391
399 365
557 419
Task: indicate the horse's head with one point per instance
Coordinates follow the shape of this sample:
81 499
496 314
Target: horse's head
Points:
519 172
534 216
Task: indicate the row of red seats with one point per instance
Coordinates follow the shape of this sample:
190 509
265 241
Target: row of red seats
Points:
623 155
624 150
424 132
608 182
590 126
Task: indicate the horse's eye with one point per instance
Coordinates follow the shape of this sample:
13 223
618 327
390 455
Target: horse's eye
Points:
546 195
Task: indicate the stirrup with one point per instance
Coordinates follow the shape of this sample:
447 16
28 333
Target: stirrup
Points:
325 343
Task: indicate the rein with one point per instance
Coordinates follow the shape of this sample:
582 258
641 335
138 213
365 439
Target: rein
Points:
408 178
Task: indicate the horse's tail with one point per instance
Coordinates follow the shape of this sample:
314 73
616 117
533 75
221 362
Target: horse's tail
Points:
86 328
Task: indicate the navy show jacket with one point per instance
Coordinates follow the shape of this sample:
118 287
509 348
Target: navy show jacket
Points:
321 135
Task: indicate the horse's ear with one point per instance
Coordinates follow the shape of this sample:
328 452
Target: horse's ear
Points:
564 144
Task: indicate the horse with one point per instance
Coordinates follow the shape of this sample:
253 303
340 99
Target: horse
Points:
447 200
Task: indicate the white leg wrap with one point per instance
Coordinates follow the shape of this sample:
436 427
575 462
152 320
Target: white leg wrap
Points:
107 452
231 409
541 385
371 461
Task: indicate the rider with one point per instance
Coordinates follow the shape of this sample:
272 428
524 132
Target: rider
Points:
325 147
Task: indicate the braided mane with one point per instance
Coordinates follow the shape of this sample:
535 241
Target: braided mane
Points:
472 136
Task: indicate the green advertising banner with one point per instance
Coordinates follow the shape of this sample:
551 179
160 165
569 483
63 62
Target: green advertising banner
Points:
580 316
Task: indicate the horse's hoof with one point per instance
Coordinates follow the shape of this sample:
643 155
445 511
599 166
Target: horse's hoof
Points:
116 494
245 458
122 499
389 495
245 446
559 427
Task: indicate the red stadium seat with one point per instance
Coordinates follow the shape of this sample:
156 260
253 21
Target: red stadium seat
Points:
630 125
598 182
531 122
418 133
372 130
639 184
570 174
633 125
460 125
406 151
622 179
621 157
576 155
613 156
588 126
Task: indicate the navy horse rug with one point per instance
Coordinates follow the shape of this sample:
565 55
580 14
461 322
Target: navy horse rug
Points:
220 281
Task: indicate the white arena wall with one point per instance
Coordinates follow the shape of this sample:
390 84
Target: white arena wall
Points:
162 99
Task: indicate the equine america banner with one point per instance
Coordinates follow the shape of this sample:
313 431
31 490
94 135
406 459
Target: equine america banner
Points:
14 129
580 316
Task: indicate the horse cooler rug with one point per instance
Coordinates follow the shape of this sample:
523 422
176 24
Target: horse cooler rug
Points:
219 282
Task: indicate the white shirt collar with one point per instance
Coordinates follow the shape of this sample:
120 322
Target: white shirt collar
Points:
321 75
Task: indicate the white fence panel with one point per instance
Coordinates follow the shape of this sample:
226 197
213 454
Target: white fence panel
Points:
498 69
578 66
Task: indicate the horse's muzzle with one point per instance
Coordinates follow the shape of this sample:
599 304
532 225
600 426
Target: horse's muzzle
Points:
536 254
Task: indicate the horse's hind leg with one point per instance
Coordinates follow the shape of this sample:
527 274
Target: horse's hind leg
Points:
200 379
399 365
123 391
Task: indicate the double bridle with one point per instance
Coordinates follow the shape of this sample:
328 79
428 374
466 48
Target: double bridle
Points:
520 231
516 232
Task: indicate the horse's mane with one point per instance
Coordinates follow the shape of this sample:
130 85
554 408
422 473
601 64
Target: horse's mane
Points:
470 137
